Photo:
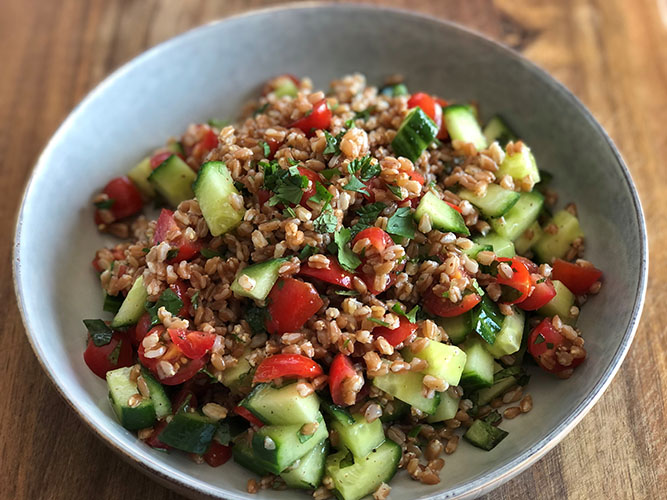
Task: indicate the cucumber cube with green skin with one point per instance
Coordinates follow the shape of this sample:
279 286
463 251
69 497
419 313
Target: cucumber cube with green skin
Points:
173 180
519 217
220 202
139 175
484 435
458 327
157 394
462 125
244 455
519 165
488 394
407 386
528 238
442 216
191 432
555 246
355 479
445 361
235 376
495 202
502 247
497 130
257 280
282 406
308 471
360 437
133 307
478 371
416 133
447 408
475 249
508 339
393 410
121 389
279 446
560 305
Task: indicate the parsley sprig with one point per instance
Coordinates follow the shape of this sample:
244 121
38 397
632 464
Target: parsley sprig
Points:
286 184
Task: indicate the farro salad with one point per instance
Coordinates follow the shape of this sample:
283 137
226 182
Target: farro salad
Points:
339 285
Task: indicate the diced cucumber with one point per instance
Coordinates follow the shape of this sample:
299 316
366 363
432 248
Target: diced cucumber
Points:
407 386
395 90
478 371
175 147
496 202
173 180
458 327
462 125
519 217
497 130
393 410
488 394
139 175
189 431
443 217
279 446
132 307
360 437
519 165
556 246
560 305
259 278
121 389
283 406
353 481
508 339
307 472
338 413
484 435
416 133
475 249
446 409
502 247
286 88
157 395
214 189
244 455
235 376
528 238
445 361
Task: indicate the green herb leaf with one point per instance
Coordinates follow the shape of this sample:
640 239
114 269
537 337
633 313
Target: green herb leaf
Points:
328 173
396 191
112 303
261 109
307 251
346 257
550 345
539 339
368 214
287 185
333 143
256 318
477 288
209 253
402 223
145 249
194 300
289 212
365 114
411 315
172 253
104 204
346 293
487 320
322 194
492 417
379 322
169 300
356 185
292 162
217 123
394 90
99 331
265 148
115 354
414 432
326 222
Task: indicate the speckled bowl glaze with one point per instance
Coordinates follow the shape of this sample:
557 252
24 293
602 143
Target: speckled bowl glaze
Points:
211 71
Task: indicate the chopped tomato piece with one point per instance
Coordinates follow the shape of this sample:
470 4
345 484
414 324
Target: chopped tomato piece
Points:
319 118
263 195
397 335
377 238
286 365
313 179
186 249
184 367
273 147
428 106
124 196
578 279
543 342
208 140
543 292
158 158
217 454
291 303
441 306
334 274
341 369
181 289
116 354
248 415
519 282
193 344
416 176
442 133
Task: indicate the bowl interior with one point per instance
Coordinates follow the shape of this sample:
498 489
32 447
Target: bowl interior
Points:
210 72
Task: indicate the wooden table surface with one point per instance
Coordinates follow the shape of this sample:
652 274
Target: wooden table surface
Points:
611 53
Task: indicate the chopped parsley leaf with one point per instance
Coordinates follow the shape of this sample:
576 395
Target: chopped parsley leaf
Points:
172 253
356 185
550 345
346 257
368 214
326 222
307 251
99 331
287 185
261 109
169 300
411 315
265 148
209 253
402 223
539 339
333 143
396 191
112 303
104 204
289 212
379 322
256 318
292 161
217 123
322 194
195 300
477 288
329 173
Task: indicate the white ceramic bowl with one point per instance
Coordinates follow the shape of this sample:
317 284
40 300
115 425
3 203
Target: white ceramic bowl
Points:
209 72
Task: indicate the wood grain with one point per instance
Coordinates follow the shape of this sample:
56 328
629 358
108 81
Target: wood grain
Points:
611 53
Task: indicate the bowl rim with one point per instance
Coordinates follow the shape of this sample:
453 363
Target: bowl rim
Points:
173 478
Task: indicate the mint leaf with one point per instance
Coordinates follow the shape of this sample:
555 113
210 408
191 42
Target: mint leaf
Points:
169 300
379 322
322 194
287 185
359 163
256 318
396 191
261 109
172 253
333 143
368 214
410 315
112 303
326 222
402 223
104 204
328 173
99 331
346 257
356 185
